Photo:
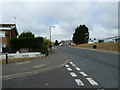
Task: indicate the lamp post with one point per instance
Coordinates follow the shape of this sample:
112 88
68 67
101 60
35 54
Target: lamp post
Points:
50 30
50 36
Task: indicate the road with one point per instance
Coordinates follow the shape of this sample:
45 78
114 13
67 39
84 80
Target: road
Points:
66 67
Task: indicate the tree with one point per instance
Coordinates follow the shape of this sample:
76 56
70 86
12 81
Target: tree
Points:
81 35
32 43
56 43
27 35
47 42
94 39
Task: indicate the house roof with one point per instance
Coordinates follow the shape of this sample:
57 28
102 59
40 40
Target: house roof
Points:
6 27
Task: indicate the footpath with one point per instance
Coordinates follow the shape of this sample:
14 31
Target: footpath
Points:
25 68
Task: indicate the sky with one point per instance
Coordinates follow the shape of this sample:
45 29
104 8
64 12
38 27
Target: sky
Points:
101 18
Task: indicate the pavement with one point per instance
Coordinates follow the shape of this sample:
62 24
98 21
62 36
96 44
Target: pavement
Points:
25 68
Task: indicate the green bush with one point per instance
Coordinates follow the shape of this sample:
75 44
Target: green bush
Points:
44 49
37 44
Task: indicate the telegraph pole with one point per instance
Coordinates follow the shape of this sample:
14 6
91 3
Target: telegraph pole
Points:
50 30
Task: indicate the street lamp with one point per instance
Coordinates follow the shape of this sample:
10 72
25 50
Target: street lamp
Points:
50 30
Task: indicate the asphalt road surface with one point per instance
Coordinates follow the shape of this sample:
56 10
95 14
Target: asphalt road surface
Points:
66 67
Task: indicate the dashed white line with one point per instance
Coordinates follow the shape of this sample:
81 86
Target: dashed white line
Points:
77 68
83 74
73 65
69 69
92 81
67 65
73 74
79 82
71 62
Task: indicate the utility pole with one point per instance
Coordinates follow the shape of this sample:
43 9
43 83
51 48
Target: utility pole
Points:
50 30
50 35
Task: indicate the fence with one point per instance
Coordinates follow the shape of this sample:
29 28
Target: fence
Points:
21 55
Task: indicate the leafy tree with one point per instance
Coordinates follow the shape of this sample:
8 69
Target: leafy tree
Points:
47 42
56 43
28 40
27 35
81 35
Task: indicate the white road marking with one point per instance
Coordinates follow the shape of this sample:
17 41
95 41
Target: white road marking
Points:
38 66
83 74
77 68
92 81
79 82
73 65
46 84
73 74
69 69
67 65
71 62
22 62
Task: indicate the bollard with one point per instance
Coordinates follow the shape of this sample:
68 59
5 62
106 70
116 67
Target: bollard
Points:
6 58
94 46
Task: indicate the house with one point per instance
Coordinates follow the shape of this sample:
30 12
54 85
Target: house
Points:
112 39
66 42
7 31
117 39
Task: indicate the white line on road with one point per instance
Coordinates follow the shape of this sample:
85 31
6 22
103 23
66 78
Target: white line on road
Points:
38 66
77 68
73 74
79 82
92 81
73 65
67 65
22 62
69 69
83 74
71 62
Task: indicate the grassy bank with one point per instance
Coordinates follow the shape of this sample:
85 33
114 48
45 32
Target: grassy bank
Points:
101 46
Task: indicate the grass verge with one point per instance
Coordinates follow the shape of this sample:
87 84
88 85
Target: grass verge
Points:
19 59
101 46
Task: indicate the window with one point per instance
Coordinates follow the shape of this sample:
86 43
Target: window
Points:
2 33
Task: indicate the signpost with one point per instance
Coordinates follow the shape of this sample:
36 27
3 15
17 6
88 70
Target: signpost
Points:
6 58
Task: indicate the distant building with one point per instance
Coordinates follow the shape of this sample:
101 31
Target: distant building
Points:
66 42
105 40
7 31
117 39
112 39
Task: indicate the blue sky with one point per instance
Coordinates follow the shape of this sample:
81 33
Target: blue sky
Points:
101 18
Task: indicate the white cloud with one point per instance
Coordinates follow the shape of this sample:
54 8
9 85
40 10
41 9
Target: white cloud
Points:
66 16
60 1
100 32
